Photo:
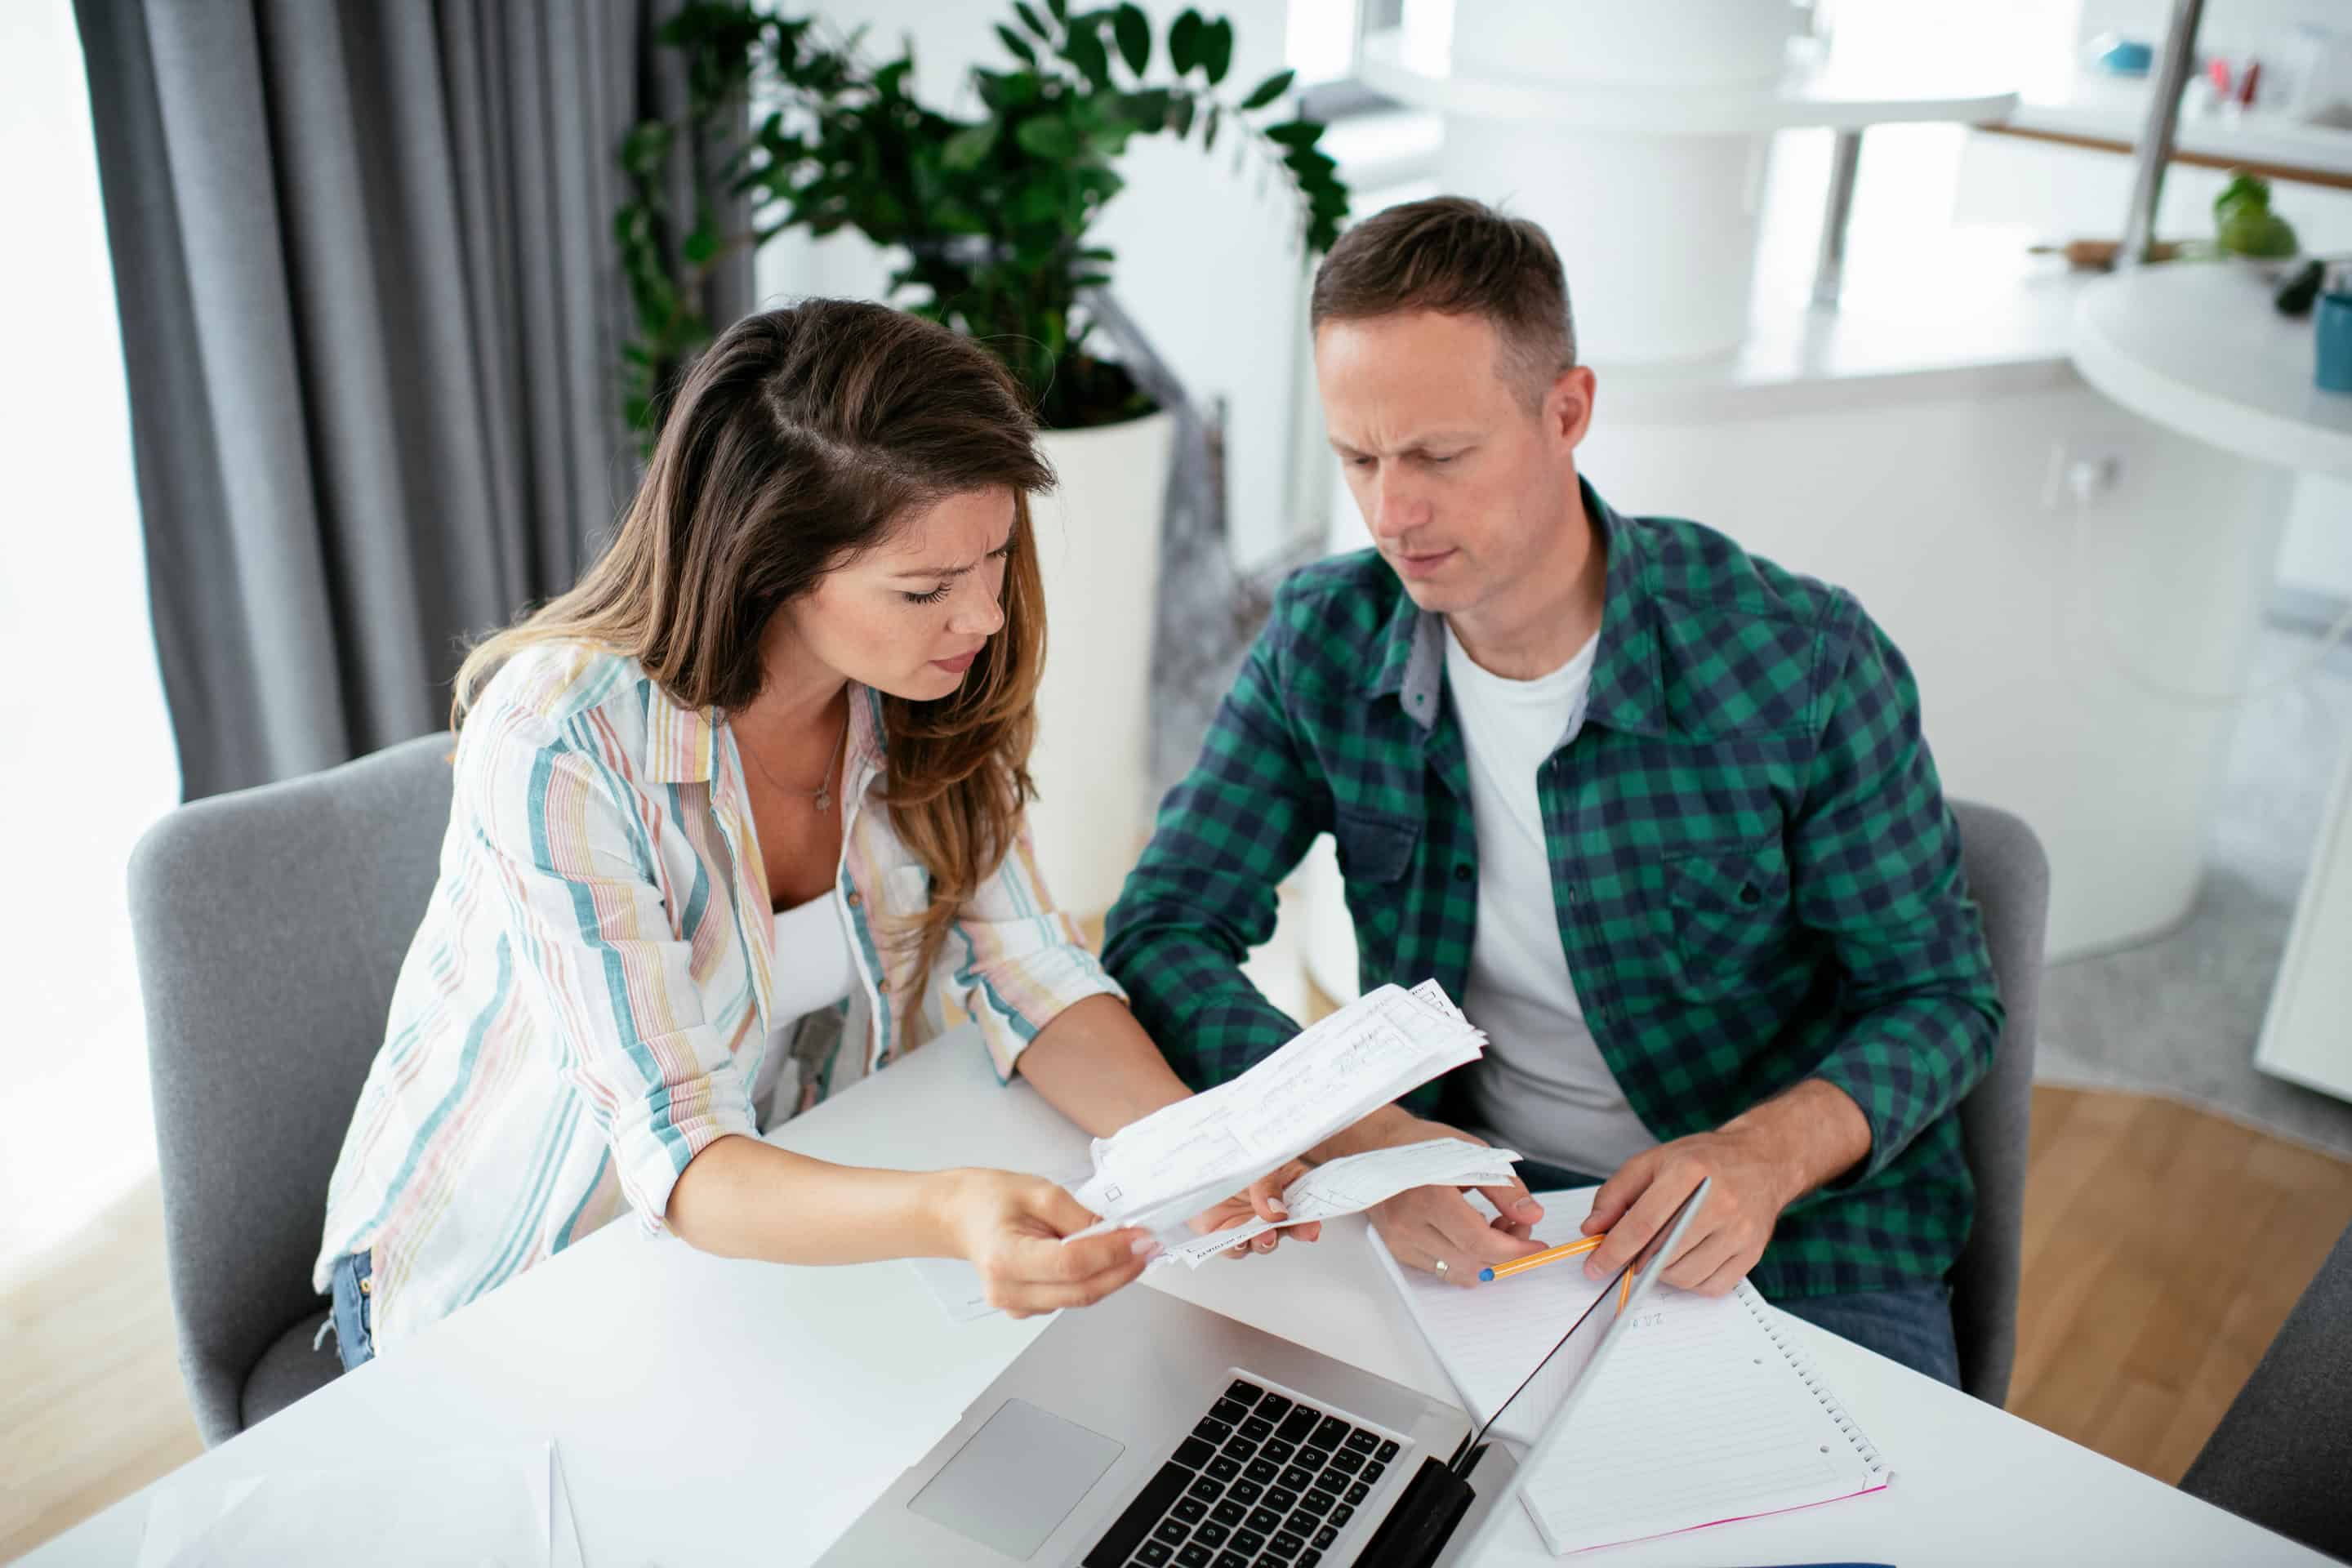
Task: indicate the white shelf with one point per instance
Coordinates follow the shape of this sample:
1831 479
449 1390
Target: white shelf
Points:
2114 110
1808 94
2197 347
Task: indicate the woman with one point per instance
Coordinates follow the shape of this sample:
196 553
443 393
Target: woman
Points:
729 815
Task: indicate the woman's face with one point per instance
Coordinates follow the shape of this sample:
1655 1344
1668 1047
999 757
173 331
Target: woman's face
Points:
910 616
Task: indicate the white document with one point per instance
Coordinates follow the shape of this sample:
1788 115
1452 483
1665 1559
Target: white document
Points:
1169 1166
1354 1185
504 1507
956 1284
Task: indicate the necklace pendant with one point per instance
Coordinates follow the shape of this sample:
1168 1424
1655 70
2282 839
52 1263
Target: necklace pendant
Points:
823 799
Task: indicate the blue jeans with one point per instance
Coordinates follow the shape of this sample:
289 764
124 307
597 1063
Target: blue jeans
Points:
354 1312
1910 1323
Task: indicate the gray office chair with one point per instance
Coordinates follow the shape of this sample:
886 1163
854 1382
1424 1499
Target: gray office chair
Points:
2282 1454
2008 875
270 925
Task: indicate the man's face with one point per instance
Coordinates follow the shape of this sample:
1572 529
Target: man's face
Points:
1463 486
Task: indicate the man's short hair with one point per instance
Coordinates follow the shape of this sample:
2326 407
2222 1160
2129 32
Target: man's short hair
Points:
1456 257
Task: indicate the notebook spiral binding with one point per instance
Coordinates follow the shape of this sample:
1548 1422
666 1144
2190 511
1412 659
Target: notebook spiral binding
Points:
1811 1376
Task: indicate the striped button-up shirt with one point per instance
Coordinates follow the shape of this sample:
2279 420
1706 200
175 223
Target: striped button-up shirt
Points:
585 1005
1754 878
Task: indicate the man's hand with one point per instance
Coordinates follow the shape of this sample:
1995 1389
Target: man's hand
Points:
1762 1162
1264 1200
1425 1226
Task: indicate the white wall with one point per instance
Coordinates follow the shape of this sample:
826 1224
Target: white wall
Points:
1206 261
2231 26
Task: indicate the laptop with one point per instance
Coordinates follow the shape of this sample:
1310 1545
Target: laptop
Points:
1145 1432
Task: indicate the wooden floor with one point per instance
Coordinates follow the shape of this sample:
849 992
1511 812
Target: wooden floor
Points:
90 1401
2163 1248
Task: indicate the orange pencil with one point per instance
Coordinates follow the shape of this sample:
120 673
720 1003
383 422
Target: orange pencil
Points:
1537 1259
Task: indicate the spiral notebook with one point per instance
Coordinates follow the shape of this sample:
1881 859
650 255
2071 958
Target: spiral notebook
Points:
1708 1411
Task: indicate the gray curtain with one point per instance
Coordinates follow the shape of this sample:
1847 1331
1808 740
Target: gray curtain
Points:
371 321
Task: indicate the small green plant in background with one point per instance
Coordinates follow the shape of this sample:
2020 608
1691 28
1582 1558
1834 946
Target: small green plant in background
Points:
2244 225
989 216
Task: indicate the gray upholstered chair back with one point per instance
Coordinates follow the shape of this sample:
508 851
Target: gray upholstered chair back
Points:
2008 875
271 926
2282 1454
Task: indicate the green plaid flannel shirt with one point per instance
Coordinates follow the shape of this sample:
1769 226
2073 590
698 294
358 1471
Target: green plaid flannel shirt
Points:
1755 876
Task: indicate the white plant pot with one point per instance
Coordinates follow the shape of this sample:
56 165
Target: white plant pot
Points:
1099 551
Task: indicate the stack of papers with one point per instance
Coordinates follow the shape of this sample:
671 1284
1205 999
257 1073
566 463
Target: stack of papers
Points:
1355 1183
1162 1170
508 1506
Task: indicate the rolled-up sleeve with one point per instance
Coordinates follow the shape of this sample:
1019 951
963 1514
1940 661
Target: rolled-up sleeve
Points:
593 940
1877 862
1014 961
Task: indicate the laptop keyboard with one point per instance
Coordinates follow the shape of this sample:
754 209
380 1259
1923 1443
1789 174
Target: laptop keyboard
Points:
1261 1479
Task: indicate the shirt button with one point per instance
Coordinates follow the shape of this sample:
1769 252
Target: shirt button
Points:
856 898
1461 873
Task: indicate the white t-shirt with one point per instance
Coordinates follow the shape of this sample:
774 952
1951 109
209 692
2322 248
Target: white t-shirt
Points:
812 972
1543 1088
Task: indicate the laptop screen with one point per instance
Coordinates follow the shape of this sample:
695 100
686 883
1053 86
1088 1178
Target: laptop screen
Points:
1537 1403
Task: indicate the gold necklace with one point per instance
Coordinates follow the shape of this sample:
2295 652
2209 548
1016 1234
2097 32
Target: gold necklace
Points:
824 790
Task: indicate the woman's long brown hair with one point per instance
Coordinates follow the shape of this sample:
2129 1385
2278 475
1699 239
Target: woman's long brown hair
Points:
798 440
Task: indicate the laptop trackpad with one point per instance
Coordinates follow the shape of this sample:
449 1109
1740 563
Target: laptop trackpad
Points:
1018 1477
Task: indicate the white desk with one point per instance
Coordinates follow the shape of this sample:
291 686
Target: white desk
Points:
711 1412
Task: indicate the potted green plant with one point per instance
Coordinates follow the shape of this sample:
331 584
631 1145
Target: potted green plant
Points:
987 218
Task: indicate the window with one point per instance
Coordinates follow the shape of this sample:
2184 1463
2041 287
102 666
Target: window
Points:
91 761
1326 40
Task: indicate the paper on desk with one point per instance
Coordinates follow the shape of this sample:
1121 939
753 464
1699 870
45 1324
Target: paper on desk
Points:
508 1507
1355 1183
1171 1164
956 1284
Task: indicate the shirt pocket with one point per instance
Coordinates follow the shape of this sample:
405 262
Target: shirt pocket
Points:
1730 909
1376 851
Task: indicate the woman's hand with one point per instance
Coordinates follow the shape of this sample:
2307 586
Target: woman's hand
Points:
1264 1200
1011 1228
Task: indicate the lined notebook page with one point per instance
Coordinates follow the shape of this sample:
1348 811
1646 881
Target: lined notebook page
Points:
1705 1412
1489 1339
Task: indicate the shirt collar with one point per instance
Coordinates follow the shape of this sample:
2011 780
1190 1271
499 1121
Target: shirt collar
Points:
869 740
1627 690
681 742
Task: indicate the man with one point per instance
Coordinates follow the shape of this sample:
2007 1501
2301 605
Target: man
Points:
1657 812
